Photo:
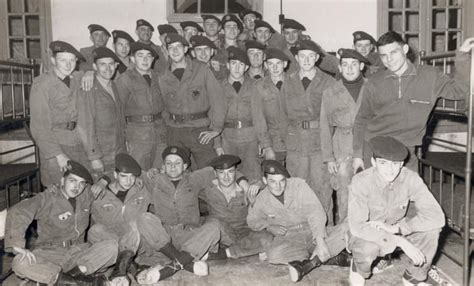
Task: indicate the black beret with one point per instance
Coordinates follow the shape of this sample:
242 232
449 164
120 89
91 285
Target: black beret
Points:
272 53
137 46
177 150
198 40
123 35
166 29
79 170
388 148
293 24
103 52
308 45
251 44
94 27
125 163
207 17
245 12
225 161
232 18
353 54
237 54
361 35
261 23
63 47
173 38
141 22
273 167
186 24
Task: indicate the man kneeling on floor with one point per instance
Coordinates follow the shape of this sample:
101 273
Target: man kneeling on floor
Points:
378 221
291 211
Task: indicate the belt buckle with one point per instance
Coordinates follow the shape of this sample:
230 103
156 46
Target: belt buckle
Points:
71 125
148 118
238 124
305 124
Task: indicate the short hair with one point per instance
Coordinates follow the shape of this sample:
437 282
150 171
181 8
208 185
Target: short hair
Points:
390 37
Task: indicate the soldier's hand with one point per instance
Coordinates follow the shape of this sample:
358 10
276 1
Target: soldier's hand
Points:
25 254
277 229
220 151
215 65
153 172
87 80
321 250
62 162
412 251
206 136
269 153
332 168
393 229
97 166
467 45
357 164
98 189
252 193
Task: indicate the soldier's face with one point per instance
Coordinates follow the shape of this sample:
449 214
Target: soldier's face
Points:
203 53
143 60
73 185
99 38
364 47
386 169
307 59
276 67
276 184
211 27
105 68
262 35
255 57
188 32
144 33
122 47
350 68
393 56
291 35
177 51
231 30
125 180
174 167
64 64
225 177
236 69
249 21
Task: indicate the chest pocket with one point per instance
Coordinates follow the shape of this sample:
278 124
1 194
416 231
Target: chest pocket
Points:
108 207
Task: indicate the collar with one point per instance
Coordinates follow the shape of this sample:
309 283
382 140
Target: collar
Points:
309 75
410 71
143 73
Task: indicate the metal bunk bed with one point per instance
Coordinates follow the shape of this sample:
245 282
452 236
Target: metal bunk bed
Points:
451 172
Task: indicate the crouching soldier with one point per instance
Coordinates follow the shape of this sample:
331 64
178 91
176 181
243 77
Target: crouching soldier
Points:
291 211
378 221
61 254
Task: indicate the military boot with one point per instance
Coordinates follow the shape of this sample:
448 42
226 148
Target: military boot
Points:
298 269
122 264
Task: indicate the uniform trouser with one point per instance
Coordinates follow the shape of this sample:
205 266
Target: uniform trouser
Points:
248 153
49 168
189 137
411 162
365 252
298 244
51 260
315 172
146 142
340 183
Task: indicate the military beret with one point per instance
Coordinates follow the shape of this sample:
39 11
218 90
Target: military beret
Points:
225 161
197 41
272 53
177 150
213 17
166 29
122 35
251 44
261 23
309 45
79 170
353 54
193 24
245 12
137 46
125 163
237 54
63 47
94 27
232 18
361 35
388 148
173 38
273 167
141 22
103 52
293 24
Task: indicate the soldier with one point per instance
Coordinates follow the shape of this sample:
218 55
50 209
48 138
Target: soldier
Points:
212 27
266 35
256 55
244 127
164 30
144 31
99 37
292 32
190 28
365 45
193 101
232 27
100 115
290 210
140 95
122 41
303 94
378 221
339 107
61 254
203 50
248 17
54 113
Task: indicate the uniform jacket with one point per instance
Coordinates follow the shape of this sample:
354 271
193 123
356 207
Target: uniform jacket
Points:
87 53
161 63
198 91
52 106
338 112
400 106
370 199
56 218
301 207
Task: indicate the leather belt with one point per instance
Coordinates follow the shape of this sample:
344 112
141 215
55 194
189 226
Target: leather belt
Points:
71 125
65 243
179 118
237 124
305 124
142 118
